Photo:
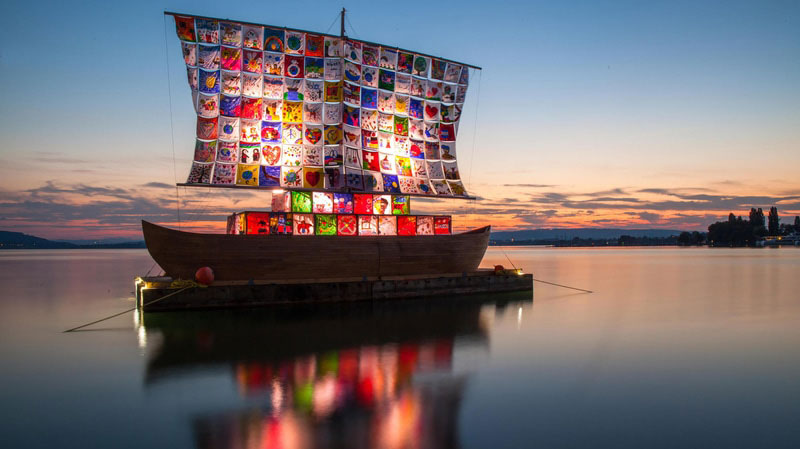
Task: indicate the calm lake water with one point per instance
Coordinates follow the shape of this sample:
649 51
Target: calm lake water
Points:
675 348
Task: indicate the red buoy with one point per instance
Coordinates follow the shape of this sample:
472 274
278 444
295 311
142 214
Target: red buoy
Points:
204 275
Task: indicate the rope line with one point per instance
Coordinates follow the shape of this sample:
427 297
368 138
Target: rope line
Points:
564 286
126 311
347 19
172 127
474 202
338 15
545 282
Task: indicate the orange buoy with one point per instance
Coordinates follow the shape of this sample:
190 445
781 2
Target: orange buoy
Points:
204 275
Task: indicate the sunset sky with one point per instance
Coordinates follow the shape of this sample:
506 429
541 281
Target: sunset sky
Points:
586 114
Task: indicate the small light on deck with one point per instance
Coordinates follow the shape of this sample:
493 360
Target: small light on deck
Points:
518 271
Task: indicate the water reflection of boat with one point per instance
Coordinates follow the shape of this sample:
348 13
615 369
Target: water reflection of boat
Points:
378 375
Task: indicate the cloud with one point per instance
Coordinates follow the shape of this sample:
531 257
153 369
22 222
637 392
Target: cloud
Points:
531 186
77 210
646 216
158 185
83 211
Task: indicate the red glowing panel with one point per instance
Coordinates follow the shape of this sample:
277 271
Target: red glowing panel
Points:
347 224
441 225
257 223
406 225
363 203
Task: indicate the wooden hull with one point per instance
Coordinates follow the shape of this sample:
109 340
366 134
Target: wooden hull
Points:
287 257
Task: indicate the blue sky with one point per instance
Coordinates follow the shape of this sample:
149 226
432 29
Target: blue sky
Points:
578 101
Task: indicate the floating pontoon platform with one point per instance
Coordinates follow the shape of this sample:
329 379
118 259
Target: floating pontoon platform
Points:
151 292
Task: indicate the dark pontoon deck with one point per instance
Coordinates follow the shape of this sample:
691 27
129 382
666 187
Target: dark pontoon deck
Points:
150 290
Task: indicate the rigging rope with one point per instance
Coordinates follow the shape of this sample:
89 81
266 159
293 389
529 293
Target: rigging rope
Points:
347 19
172 126
473 202
328 31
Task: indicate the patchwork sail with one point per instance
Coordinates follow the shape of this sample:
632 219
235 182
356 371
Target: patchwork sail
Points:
284 108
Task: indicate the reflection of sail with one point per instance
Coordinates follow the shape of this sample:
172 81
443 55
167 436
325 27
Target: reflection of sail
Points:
415 417
379 375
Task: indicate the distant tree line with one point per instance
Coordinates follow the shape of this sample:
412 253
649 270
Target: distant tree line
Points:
623 240
694 238
737 231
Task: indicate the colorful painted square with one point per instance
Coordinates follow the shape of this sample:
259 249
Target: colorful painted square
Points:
303 224
301 202
381 204
326 224
269 176
363 203
401 205
367 225
387 225
441 225
424 225
313 178
407 225
185 28
347 224
257 223
273 40
323 202
343 203
280 223
391 184
247 175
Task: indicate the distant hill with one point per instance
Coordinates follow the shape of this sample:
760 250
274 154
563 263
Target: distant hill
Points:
18 240
581 233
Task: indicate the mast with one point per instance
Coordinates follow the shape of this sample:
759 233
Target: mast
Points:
342 28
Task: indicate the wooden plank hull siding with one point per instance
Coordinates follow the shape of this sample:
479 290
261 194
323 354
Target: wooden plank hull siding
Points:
288 257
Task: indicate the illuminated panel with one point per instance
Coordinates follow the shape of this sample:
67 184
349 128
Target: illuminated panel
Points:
367 225
282 202
387 225
401 205
424 225
441 225
382 204
323 202
257 223
326 224
363 203
301 202
406 225
343 203
280 223
303 224
347 225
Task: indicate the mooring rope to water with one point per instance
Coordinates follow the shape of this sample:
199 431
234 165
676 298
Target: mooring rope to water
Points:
545 282
126 311
565 286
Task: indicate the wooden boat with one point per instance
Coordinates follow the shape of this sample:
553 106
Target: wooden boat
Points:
292 257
